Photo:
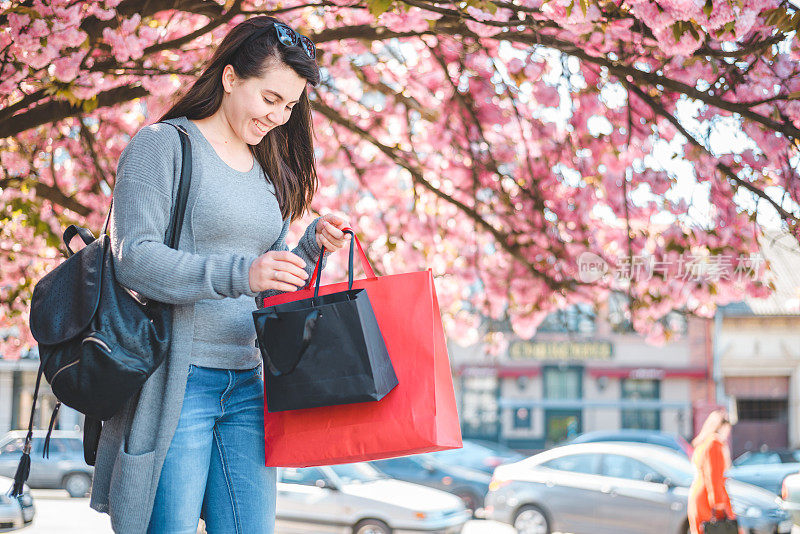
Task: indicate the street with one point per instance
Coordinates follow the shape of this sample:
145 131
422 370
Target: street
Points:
56 513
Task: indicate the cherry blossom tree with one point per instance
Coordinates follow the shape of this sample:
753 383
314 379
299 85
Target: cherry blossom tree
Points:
507 145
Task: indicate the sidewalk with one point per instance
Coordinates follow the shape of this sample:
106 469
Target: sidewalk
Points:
57 513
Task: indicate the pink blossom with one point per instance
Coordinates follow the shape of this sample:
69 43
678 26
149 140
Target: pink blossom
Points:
17 22
66 68
482 30
14 163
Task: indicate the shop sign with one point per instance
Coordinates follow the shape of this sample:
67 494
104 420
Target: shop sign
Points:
647 374
560 350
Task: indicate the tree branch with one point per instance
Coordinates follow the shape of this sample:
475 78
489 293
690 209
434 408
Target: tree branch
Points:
57 110
789 218
502 240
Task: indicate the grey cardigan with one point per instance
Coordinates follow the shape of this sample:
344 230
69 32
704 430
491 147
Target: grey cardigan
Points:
134 443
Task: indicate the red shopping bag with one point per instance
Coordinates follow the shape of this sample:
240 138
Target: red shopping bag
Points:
419 415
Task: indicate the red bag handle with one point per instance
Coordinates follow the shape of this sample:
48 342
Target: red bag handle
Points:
364 260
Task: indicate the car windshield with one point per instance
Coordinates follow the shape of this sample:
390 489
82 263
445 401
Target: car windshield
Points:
356 473
758 458
496 448
675 466
470 453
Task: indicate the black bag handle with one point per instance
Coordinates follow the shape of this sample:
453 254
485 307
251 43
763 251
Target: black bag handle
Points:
308 332
73 230
349 264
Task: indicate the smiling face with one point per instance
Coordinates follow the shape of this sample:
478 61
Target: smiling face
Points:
254 106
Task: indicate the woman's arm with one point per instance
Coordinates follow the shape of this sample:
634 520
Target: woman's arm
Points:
139 219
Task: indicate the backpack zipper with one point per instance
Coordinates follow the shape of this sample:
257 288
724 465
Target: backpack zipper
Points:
97 340
94 339
59 371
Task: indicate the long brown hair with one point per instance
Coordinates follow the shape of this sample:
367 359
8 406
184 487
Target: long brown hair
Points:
713 423
289 164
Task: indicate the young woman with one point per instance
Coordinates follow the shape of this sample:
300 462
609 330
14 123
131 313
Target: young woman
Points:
707 496
191 443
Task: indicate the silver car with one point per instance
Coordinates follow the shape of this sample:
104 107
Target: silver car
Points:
615 488
358 499
15 512
64 468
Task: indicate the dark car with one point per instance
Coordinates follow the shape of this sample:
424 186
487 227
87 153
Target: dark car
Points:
478 455
653 437
470 485
765 468
768 456
64 468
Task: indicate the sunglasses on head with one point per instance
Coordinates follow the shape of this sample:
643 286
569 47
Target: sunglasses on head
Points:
288 37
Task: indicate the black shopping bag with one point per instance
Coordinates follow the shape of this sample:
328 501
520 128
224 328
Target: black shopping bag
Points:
324 350
721 526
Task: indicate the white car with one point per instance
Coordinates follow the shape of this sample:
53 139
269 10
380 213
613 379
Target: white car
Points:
358 499
15 512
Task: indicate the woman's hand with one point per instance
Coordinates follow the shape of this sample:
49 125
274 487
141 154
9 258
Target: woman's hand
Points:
329 233
281 270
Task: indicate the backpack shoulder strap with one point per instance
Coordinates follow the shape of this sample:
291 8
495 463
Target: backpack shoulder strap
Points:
176 224
179 208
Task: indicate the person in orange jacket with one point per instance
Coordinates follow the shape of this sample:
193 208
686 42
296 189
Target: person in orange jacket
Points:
707 496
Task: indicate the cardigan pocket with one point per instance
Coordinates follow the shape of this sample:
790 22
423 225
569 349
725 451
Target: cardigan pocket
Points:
130 489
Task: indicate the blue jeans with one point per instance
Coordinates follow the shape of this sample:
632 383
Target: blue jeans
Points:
215 463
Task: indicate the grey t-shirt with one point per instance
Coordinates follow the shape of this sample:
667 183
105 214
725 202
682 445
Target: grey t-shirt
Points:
236 212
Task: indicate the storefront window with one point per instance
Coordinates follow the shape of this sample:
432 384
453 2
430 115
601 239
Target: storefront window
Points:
562 383
576 318
763 409
638 389
522 418
480 407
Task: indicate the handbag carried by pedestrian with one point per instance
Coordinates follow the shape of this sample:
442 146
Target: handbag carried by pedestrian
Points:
721 526
98 341
325 350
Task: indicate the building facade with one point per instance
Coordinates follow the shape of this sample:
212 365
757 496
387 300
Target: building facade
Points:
17 384
546 390
759 355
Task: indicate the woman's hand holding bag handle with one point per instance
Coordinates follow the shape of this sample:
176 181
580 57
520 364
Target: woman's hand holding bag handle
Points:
311 318
324 350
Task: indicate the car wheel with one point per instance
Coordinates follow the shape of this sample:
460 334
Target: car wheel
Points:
371 526
77 484
531 519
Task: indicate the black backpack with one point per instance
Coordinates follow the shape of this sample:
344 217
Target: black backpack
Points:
98 341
